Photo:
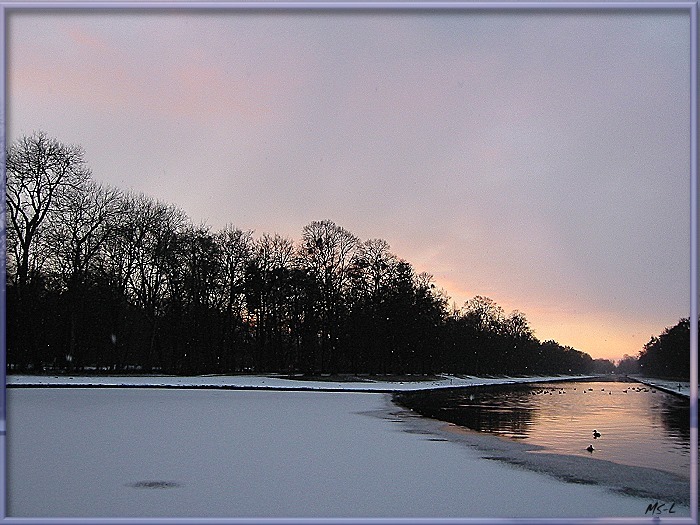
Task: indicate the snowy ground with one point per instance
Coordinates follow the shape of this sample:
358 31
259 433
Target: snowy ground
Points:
259 454
678 387
272 382
241 449
145 452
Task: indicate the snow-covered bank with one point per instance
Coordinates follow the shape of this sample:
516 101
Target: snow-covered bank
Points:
208 453
272 382
681 388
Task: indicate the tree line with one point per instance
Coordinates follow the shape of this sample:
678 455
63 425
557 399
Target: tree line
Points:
667 355
102 279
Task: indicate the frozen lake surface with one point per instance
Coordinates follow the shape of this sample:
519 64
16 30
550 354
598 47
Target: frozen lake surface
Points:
126 452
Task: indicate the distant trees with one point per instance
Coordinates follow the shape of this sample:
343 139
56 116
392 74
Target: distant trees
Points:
665 356
106 280
604 366
668 355
482 339
627 365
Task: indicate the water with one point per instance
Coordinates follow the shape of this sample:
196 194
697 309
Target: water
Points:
638 425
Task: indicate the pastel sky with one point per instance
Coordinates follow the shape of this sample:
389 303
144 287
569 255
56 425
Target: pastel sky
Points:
539 158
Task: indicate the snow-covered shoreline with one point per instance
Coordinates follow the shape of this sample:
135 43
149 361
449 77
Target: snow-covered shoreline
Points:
245 382
680 388
272 382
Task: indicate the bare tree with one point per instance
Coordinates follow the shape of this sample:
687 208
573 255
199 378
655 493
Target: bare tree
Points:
372 272
194 277
328 251
78 231
40 173
154 240
236 247
117 267
76 234
488 316
236 252
373 264
267 279
518 339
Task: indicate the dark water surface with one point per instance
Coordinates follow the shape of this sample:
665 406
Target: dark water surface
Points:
638 425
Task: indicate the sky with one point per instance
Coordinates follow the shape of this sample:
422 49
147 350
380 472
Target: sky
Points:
539 158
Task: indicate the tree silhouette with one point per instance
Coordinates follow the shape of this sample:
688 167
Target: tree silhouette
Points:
327 254
102 280
668 355
76 234
41 172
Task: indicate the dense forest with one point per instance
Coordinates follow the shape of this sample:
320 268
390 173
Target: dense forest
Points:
113 281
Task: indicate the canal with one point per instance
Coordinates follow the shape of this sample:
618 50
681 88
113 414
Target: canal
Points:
637 425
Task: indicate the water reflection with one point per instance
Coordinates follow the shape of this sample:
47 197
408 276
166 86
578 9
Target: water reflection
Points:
674 417
638 425
488 410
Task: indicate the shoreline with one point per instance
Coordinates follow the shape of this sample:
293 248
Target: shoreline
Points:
274 382
665 385
321 384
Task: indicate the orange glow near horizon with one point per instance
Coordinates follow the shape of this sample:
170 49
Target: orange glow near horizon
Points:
602 338
601 334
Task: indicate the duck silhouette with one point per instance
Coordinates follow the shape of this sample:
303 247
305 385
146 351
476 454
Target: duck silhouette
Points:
596 434
590 448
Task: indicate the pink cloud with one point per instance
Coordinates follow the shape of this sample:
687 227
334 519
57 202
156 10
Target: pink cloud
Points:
202 90
87 39
87 69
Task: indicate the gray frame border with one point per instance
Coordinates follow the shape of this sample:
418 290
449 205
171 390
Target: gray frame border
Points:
6 6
